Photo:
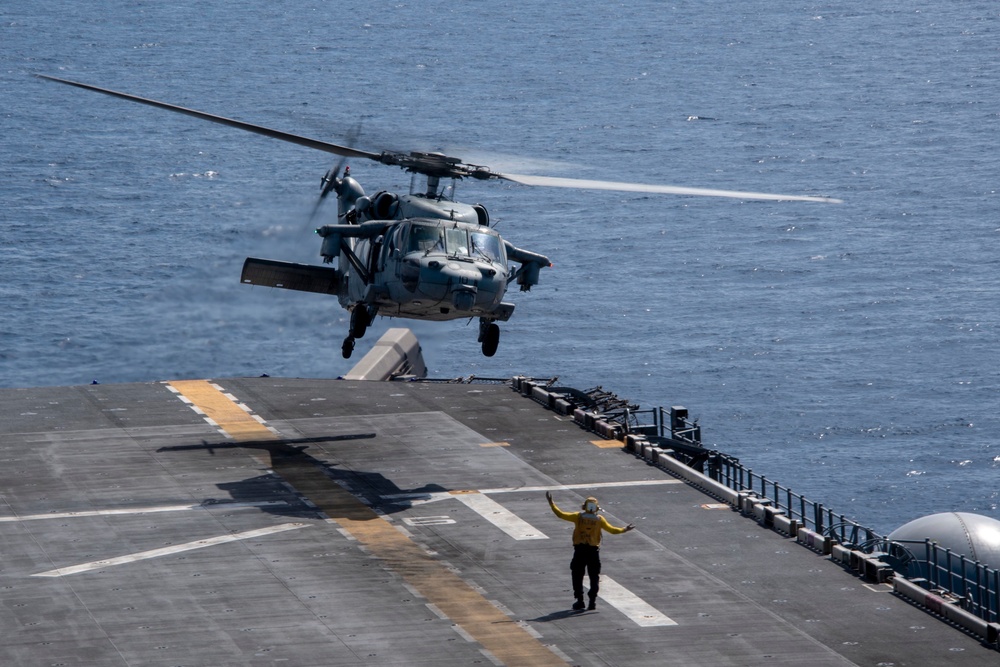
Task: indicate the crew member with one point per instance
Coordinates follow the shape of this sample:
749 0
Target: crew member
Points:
586 546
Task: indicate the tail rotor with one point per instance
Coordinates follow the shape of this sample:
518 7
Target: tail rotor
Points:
331 180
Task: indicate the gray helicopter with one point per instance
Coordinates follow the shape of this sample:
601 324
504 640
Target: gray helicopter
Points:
421 255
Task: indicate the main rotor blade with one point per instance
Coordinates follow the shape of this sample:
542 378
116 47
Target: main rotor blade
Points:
238 124
584 184
432 163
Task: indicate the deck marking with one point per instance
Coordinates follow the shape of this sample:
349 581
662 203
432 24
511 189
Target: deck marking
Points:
167 551
229 416
591 485
141 510
441 587
638 610
717 506
879 588
432 496
608 444
500 516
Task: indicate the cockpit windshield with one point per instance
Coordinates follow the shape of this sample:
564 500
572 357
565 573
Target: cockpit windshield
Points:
425 238
456 242
487 245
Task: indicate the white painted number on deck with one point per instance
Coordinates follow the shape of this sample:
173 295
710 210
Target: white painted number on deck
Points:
428 520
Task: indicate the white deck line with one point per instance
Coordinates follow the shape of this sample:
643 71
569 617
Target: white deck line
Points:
500 516
166 551
431 496
638 610
139 510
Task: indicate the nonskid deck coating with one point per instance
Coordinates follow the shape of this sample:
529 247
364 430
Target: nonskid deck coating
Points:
312 522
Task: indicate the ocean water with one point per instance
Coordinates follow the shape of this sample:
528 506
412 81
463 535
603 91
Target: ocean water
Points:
850 352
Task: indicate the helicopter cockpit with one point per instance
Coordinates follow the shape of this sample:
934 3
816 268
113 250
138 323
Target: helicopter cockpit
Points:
456 241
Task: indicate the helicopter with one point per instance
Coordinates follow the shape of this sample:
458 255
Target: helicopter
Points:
422 255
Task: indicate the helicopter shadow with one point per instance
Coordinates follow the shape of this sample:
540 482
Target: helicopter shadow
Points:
274 495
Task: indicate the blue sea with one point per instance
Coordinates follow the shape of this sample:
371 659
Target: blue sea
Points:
851 352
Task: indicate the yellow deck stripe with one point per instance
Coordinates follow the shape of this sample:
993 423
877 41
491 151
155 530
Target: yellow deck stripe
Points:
498 634
494 630
219 408
607 444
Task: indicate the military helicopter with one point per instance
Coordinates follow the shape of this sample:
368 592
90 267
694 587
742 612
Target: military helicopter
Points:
421 255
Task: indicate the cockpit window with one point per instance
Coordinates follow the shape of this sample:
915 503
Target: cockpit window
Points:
425 239
458 241
487 245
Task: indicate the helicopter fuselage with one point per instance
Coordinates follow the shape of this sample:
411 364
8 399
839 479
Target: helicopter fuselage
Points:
423 268
419 256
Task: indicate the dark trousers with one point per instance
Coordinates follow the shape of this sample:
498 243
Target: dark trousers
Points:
586 559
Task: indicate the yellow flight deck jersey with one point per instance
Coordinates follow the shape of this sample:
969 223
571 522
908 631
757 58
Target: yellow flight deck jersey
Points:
588 526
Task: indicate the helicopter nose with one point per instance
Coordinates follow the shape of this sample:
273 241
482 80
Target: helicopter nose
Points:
450 282
464 298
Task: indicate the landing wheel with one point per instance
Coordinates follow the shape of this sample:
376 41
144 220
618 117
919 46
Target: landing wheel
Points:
491 339
359 322
348 348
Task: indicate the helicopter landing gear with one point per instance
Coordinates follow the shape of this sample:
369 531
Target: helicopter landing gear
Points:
360 319
489 336
348 347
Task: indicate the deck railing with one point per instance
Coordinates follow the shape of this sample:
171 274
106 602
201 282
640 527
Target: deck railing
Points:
971 584
967 582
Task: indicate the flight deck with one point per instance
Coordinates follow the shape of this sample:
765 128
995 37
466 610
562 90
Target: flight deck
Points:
272 521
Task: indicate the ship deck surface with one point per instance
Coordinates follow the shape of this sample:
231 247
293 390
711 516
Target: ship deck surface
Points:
326 522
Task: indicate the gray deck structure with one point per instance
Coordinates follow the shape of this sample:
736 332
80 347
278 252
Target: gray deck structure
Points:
273 521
